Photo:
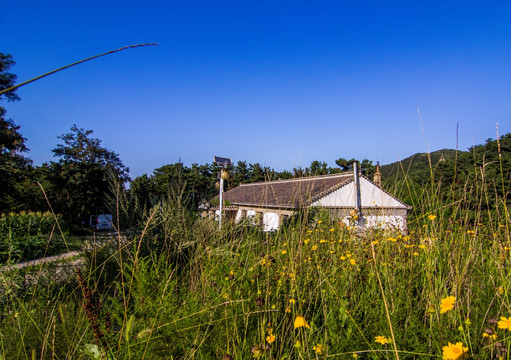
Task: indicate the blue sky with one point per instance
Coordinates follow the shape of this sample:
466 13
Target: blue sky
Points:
281 83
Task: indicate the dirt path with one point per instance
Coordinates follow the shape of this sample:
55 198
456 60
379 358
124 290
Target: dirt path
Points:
95 241
45 260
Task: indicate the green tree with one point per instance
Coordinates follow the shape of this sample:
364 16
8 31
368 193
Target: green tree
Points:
15 168
366 166
80 179
317 168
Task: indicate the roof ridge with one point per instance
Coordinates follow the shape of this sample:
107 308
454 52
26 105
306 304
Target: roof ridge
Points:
305 178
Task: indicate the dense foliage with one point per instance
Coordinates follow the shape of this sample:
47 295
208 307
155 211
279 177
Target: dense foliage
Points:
478 179
183 289
29 235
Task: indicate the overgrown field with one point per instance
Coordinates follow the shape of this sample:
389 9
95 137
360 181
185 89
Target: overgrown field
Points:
179 288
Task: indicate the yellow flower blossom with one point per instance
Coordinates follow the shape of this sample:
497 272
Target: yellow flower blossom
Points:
270 338
431 217
342 258
314 247
292 301
284 252
454 351
447 304
353 262
300 322
306 241
318 348
505 323
381 340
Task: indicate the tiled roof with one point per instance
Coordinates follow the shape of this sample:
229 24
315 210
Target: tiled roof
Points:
291 193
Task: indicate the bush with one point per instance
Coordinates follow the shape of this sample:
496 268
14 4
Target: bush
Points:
29 235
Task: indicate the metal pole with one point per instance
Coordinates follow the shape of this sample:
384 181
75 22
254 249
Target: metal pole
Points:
358 205
221 201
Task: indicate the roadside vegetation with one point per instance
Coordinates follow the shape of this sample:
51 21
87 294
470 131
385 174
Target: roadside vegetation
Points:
180 288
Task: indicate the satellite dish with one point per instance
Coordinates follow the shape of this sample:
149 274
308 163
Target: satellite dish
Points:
222 161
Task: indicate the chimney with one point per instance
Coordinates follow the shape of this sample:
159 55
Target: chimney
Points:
377 175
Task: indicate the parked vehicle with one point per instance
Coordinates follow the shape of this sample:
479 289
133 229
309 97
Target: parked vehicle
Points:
101 222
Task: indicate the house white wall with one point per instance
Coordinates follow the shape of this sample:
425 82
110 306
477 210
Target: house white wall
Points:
371 196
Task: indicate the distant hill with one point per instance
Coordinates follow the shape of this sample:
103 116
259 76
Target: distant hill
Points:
481 173
416 166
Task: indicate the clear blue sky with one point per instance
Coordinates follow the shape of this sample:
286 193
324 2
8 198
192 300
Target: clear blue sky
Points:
281 83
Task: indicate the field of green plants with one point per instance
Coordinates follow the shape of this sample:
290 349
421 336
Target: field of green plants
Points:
179 288
29 235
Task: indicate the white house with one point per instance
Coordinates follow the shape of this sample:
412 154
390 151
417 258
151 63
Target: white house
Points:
270 203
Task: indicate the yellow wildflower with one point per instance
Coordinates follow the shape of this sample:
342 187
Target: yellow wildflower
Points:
342 257
381 340
318 348
492 336
505 323
415 253
431 217
314 247
270 338
320 221
288 310
353 262
322 241
447 304
355 355
284 252
292 301
306 241
454 351
332 229
300 322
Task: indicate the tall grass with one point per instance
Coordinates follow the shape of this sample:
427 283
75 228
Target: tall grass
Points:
181 289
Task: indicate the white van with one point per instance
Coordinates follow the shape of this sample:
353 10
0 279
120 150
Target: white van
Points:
101 222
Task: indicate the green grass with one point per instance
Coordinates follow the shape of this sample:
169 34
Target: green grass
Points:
182 289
